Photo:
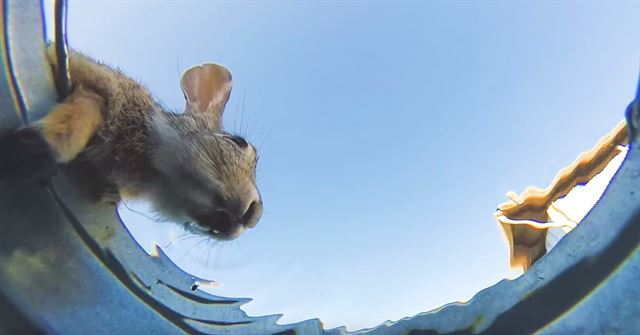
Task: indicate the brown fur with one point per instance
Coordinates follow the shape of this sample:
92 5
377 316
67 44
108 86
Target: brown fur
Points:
70 126
111 131
107 115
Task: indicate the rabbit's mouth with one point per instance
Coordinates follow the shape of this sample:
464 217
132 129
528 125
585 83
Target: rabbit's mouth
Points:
229 216
217 224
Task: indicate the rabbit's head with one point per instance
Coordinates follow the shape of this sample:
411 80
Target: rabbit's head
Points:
206 176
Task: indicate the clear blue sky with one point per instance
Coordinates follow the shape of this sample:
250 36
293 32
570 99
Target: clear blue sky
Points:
391 131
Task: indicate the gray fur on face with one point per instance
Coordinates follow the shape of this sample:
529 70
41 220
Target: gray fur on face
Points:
197 167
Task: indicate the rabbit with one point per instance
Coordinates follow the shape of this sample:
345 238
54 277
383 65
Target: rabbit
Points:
188 167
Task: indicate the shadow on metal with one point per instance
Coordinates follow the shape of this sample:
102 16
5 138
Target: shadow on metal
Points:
68 265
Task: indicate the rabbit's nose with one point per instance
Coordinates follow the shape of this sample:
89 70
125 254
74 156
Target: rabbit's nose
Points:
253 213
246 210
232 216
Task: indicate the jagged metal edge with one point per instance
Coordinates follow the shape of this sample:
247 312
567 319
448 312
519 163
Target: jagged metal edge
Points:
509 306
107 248
159 276
586 285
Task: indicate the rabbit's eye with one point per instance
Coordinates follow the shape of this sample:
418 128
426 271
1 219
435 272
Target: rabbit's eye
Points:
239 141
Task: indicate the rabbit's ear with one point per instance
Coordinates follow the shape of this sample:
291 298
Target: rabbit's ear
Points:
206 88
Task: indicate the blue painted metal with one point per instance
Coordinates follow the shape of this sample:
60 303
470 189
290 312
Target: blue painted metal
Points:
68 265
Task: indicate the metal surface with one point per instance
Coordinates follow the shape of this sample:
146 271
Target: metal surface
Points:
68 266
62 80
